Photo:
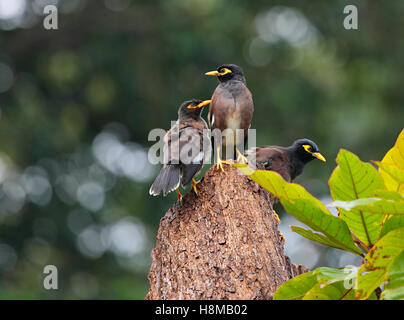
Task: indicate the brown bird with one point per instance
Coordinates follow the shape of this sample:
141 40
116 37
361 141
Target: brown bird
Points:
231 108
186 149
289 162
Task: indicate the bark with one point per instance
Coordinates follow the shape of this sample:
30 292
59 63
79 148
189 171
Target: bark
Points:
222 244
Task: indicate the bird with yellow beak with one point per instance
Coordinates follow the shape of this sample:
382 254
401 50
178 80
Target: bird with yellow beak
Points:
289 162
180 167
231 108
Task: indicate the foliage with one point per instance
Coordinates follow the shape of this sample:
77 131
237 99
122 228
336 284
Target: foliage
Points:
370 223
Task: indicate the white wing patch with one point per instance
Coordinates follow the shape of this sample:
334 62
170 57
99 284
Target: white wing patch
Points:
198 158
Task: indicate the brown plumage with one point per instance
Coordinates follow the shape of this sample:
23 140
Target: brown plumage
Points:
289 162
232 107
273 158
186 149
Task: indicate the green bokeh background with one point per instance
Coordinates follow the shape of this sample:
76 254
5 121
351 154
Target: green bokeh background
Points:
77 104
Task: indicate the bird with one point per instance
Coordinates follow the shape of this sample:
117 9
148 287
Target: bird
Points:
186 148
232 107
289 162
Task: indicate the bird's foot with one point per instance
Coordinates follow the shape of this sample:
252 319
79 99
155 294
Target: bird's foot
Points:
241 158
219 162
179 195
278 221
194 184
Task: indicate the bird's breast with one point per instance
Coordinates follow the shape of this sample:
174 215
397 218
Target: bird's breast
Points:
233 119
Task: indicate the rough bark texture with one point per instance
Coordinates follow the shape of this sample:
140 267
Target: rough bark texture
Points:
222 244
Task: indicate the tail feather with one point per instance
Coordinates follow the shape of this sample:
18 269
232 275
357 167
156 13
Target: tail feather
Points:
173 179
188 172
166 181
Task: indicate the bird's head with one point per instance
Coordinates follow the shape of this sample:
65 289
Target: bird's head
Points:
228 72
306 150
192 108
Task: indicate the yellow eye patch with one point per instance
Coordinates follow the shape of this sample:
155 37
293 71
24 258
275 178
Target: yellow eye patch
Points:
224 71
307 148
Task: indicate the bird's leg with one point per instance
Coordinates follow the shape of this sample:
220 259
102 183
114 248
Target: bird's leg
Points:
219 162
179 195
278 221
194 183
241 158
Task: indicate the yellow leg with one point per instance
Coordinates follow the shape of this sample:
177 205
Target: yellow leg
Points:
278 221
194 183
240 158
179 195
219 162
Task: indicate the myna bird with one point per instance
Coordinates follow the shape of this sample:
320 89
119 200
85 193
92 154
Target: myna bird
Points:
186 146
231 108
288 162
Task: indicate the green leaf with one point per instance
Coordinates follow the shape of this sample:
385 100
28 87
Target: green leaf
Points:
379 259
394 290
346 276
321 284
313 236
353 179
348 205
333 284
317 237
330 275
296 288
394 171
388 195
280 188
392 224
305 208
394 157
373 205
335 291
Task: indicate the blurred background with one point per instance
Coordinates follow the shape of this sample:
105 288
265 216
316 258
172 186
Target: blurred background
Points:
77 104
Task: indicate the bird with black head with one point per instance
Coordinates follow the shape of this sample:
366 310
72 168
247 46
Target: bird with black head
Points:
289 162
186 149
231 108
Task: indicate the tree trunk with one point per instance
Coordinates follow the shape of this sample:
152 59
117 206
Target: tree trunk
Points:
222 244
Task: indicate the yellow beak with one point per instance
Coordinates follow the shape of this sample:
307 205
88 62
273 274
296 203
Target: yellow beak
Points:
202 104
212 73
319 156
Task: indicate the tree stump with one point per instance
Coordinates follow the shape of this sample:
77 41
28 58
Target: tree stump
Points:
220 244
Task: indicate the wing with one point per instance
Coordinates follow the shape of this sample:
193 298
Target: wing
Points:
246 106
186 143
195 149
171 146
272 158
